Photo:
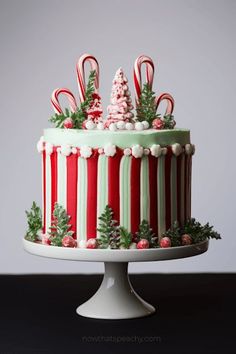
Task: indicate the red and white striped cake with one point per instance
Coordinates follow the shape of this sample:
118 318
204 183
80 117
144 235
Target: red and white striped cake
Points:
141 175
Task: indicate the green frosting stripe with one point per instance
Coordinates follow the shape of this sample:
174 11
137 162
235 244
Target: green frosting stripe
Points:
102 185
122 139
48 193
61 180
125 166
161 196
173 189
144 190
82 199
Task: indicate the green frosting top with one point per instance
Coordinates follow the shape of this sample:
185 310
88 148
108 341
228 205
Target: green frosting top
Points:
125 138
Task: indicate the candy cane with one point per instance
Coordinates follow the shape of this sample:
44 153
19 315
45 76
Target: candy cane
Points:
170 102
81 74
142 59
55 100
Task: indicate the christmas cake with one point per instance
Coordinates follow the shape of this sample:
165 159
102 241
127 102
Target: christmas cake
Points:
120 181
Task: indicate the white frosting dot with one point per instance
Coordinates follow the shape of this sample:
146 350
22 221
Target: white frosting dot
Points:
120 125
110 150
146 151
100 126
177 149
129 126
58 150
156 150
139 126
164 151
90 125
127 151
112 127
48 148
85 151
100 151
137 151
74 150
145 124
65 150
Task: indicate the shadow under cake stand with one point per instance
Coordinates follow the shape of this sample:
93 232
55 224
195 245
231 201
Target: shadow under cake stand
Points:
115 298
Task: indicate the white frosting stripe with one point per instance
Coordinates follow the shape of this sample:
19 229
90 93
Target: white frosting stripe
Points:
144 190
61 180
161 195
102 185
48 193
173 191
125 167
82 199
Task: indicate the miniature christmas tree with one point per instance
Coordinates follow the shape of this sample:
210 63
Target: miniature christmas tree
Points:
60 226
108 229
146 108
121 103
145 232
34 220
125 237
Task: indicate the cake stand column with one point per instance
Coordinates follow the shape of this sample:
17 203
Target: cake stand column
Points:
116 298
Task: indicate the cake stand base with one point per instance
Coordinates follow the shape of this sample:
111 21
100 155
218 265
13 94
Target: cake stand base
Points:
116 298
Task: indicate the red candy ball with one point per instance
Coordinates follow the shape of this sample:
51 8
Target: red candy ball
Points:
68 123
186 239
92 243
69 241
165 242
158 124
143 244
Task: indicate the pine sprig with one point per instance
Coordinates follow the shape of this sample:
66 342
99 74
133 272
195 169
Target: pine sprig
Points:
108 229
169 122
34 220
192 228
125 237
146 232
80 115
60 226
146 109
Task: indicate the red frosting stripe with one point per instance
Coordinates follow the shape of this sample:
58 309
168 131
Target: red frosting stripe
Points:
153 165
53 158
44 190
92 163
168 187
179 206
72 177
135 194
114 183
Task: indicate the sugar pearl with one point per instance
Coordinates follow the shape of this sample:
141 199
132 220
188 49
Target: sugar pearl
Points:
82 243
90 125
100 126
139 126
129 126
112 127
120 125
145 124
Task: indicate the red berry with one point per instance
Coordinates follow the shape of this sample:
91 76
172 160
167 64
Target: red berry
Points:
92 243
158 123
69 241
143 244
186 239
68 123
165 242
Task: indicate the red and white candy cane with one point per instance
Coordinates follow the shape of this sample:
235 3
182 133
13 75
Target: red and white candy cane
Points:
55 100
170 102
81 74
142 59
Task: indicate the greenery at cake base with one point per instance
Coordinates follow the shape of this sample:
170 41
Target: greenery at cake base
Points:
34 220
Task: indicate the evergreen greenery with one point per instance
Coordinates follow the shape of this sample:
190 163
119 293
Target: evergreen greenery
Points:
194 229
80 115
125 237
146 109
108 229
145 232
60 226
169 122
34 220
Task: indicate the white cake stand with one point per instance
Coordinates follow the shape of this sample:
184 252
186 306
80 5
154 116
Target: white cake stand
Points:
116 298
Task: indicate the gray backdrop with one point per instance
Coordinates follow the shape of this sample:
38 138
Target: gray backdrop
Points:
193 46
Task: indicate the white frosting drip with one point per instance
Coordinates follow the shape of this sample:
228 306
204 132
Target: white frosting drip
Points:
74 151
127 151
189 149
65 150
146 151
156 150
48 148
137 151
86 151
110 150
164 151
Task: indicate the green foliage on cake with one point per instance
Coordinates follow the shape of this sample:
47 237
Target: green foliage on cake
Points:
108 229
34 220
125 238
60 225
145 232
146 108
80 115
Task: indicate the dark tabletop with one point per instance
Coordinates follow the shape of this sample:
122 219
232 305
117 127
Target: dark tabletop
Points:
195 314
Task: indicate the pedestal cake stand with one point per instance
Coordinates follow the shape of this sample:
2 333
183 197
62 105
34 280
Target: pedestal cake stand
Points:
116 298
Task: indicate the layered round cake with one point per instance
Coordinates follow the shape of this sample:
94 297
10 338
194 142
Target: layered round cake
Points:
117 181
